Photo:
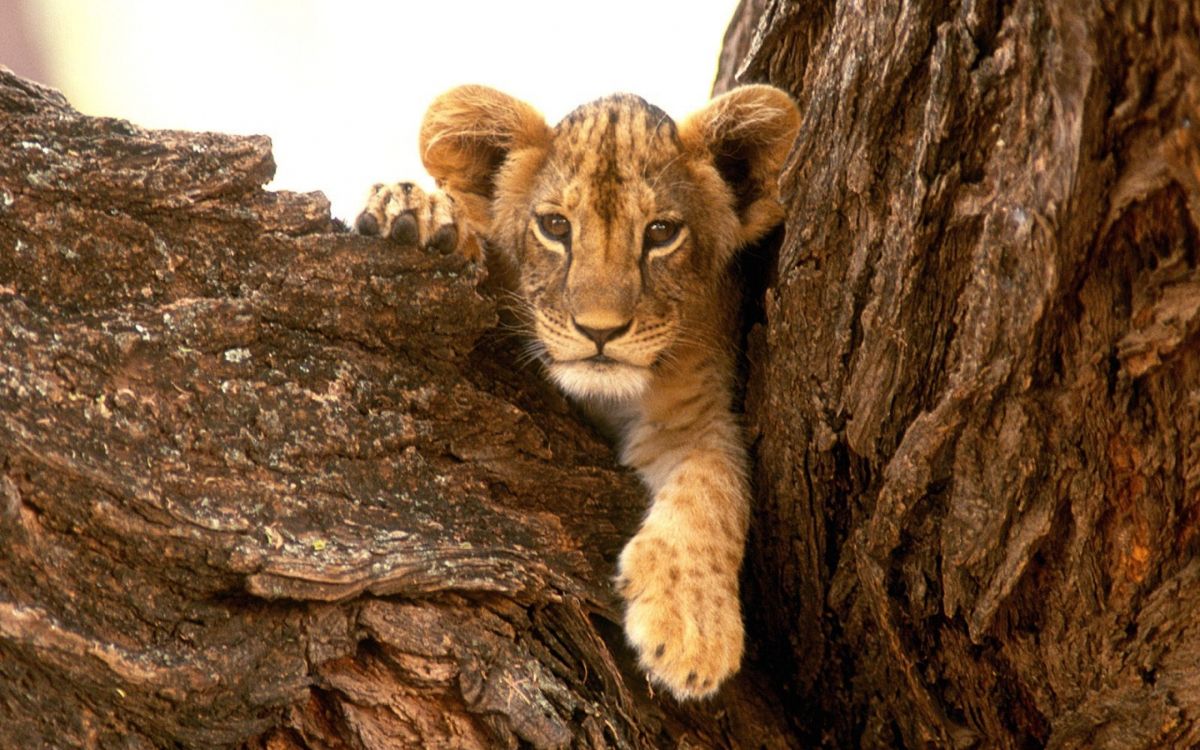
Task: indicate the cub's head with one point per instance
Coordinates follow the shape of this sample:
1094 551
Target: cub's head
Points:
619 222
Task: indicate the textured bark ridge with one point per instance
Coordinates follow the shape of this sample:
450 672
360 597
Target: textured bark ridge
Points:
976 389
263 481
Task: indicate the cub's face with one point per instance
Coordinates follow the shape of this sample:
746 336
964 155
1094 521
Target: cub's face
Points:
612 247
620 222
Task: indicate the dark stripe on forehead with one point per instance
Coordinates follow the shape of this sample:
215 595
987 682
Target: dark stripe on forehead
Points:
660 121
617 138
607 181
656 119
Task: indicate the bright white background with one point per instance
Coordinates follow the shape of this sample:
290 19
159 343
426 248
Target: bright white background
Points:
340 85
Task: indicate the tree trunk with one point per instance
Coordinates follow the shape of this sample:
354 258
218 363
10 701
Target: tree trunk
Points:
976 386
264 482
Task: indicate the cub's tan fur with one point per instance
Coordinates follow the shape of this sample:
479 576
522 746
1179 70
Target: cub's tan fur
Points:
616 228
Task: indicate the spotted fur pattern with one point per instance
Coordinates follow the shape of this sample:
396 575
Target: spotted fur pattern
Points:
616 228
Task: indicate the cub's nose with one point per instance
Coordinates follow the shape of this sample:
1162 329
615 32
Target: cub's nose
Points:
601 336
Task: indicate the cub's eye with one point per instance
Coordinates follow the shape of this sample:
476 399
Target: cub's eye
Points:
555 226
660 232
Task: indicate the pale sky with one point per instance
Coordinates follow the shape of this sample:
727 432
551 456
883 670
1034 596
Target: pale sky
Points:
340 85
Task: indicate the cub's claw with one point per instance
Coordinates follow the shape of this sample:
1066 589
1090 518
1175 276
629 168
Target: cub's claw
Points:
367 225
409 216
445 239
405 229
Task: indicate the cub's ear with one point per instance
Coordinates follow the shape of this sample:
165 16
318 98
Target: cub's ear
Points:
747 133
467 137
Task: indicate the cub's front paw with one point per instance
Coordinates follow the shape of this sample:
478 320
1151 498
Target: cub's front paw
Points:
406 214
682 614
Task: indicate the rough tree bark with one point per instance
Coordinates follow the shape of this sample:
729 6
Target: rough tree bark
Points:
266 483
976 386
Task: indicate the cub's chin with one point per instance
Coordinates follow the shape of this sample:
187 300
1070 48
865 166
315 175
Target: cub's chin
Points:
605 379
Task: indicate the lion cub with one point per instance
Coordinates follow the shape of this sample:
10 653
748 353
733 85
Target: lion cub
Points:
615 229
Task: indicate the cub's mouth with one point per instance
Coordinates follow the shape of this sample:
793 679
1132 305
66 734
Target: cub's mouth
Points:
600 377
614 364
